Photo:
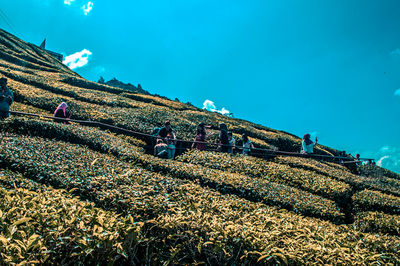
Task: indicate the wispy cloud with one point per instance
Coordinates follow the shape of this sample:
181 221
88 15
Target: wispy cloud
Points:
68 2
210 106
389 157
397 92
380 161
78 59
87 8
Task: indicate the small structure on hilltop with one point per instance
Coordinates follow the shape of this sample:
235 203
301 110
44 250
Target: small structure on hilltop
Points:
57 56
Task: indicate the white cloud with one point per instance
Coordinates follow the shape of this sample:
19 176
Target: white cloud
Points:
68 2
397 92
379 162
389 157
87 8
210 106
78 59
223 111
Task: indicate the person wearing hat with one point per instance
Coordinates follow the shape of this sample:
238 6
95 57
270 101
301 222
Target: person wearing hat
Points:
6 99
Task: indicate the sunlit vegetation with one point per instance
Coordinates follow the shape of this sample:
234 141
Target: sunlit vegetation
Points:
264 170
44 225
374 200
74 194
378 222
382 183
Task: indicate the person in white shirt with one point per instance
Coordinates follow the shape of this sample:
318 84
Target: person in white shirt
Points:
307 145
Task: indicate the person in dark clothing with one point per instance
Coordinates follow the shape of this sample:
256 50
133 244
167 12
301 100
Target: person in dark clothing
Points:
223 137
201 136
358 161
61 112
165 130
6 99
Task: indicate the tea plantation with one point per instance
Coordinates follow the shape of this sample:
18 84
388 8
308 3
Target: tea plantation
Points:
79 195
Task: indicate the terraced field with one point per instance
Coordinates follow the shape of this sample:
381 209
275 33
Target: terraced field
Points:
82 195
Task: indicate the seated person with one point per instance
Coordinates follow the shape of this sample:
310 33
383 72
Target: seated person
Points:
160 150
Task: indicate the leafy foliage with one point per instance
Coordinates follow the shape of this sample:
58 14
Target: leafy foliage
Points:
378 222
207 208
261 169
48 226
375 200
382 183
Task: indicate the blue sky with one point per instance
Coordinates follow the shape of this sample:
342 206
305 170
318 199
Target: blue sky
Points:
331 68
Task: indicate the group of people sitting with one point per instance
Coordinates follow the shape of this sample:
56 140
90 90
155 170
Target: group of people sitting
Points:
165 145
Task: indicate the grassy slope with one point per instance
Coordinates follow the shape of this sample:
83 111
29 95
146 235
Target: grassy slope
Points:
204 207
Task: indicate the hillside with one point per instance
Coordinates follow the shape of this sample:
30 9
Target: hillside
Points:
76 194
126 86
